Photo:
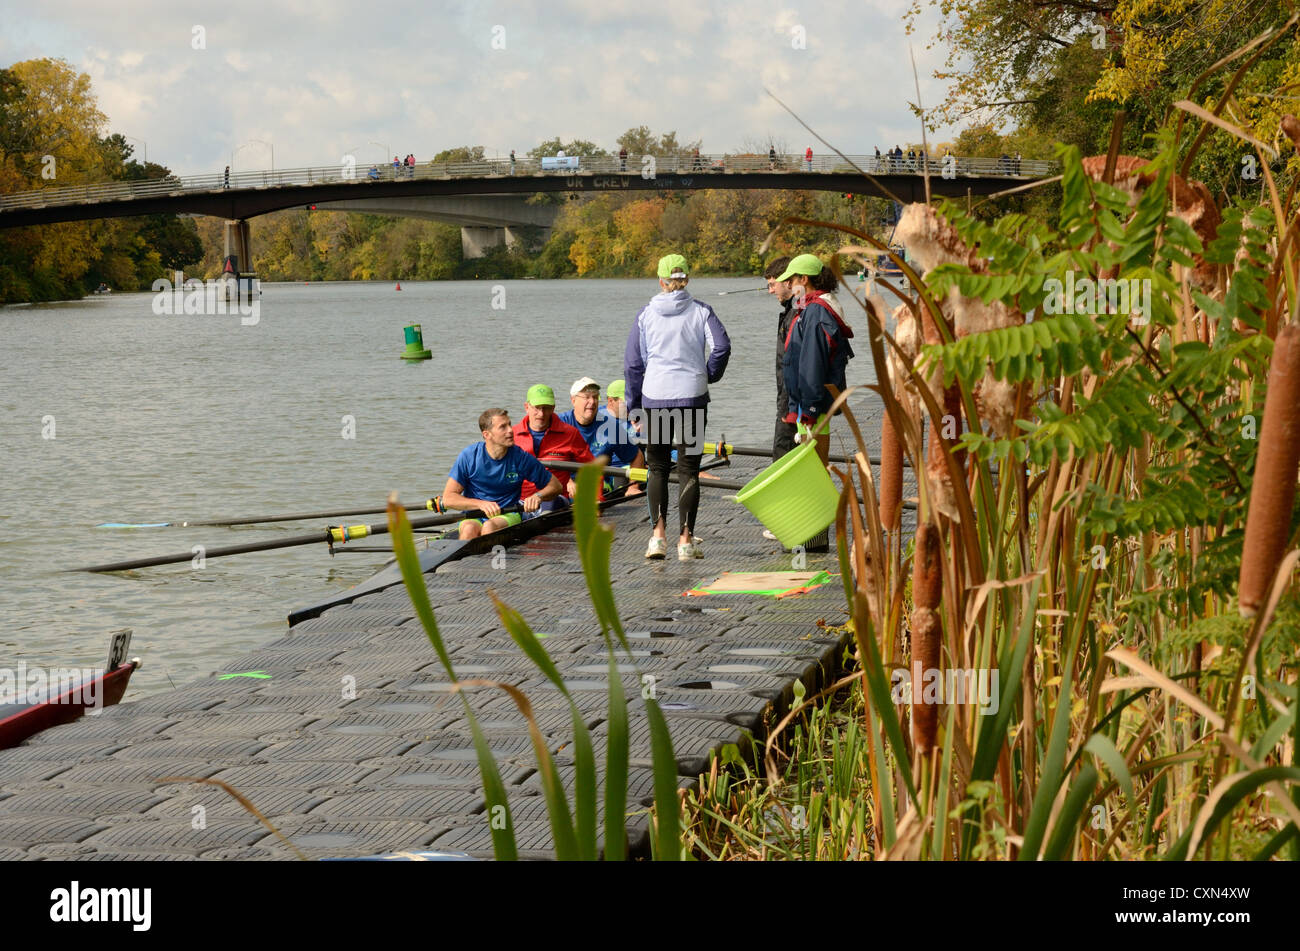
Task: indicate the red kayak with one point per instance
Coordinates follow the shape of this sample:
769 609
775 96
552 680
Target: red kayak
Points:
37 698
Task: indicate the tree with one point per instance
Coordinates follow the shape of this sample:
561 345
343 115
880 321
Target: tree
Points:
574 147
461 155
641 141
49 133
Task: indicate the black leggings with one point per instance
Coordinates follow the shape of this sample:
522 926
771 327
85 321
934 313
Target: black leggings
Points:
667 429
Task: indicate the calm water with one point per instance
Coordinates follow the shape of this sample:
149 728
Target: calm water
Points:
160 418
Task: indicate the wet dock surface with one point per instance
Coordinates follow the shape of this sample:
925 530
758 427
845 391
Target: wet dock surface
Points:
345 734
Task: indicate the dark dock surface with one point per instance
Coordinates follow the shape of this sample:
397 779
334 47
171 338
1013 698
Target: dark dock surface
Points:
345 735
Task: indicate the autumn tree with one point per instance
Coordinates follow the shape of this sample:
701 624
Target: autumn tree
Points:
641 141
573 147
461 155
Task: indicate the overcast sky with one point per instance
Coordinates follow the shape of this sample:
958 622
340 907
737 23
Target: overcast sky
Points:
321 78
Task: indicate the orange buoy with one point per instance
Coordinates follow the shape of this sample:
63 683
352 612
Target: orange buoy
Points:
399 285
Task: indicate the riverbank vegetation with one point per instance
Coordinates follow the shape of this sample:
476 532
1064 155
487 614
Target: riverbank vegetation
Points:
1108 533
52 135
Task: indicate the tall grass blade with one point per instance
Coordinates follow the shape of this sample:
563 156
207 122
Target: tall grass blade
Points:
568 844
501 824
1071 812
616 767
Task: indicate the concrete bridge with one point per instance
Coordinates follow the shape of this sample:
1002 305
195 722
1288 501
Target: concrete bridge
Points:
487 198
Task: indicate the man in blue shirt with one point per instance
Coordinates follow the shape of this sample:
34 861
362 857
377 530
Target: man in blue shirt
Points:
489 476
608 437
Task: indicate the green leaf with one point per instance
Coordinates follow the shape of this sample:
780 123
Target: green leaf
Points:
1100 746
667 821
616 767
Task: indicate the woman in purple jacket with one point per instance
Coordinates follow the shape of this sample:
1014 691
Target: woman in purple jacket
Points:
677 347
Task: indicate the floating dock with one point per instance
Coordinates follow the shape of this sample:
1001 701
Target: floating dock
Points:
344 732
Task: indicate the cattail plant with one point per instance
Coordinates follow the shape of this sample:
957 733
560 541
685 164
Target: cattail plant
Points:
1272 494
927 633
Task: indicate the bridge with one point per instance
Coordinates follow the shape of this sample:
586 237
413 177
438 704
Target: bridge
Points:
487 198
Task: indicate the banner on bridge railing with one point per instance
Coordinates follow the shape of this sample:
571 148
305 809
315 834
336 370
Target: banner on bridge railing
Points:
555 162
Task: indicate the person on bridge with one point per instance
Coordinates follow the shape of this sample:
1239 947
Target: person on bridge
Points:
622 159
676 348
608 437
542 434
512 161
489 476
807 157
226 181
771 159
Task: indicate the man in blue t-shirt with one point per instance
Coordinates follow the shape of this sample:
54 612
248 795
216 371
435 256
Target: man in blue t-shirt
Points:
489 475
607 436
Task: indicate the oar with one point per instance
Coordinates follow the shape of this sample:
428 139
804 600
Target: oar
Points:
745 291
430 504
712 448
640 475
330 536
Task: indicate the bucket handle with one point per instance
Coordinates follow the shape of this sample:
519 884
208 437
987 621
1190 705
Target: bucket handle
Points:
803 433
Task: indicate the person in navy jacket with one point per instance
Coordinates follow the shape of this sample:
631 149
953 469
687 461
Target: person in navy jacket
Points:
817 352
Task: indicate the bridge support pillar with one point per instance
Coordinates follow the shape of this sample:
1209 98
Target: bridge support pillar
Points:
475 241
238 268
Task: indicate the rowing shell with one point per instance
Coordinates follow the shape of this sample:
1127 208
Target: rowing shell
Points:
69 697
440 551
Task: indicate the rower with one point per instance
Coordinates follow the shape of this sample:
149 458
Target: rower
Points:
608 437
543 435
490 475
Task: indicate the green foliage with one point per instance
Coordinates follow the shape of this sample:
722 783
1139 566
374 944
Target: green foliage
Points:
47 109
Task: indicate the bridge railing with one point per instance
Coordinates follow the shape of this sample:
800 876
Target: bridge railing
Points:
647 166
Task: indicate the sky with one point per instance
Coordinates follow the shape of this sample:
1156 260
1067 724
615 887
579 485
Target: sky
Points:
302 83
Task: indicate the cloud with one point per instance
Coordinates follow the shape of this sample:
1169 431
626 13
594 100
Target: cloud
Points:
317 78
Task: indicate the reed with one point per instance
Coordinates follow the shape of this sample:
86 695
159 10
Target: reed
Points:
1083 548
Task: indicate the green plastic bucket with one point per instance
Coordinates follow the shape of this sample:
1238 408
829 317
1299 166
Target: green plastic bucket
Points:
794 497
415 344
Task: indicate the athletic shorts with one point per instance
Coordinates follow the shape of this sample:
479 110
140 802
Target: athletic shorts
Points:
512 518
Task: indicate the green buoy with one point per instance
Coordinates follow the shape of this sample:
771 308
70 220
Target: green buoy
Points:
415 345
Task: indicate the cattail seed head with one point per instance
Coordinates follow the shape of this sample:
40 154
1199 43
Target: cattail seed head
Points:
1272 493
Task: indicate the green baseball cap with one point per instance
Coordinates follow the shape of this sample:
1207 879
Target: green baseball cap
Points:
805 264
616 389
540 395
673 265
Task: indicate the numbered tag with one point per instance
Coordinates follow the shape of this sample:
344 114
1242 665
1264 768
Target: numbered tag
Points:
118 648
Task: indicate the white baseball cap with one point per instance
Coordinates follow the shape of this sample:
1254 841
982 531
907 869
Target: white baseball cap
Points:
585 383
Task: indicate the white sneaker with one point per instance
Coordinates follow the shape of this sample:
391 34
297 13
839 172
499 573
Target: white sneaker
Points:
689 551
658 548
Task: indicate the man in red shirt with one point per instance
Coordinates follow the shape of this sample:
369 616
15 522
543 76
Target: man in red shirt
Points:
542 434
